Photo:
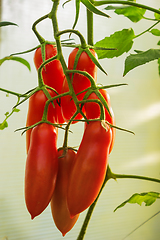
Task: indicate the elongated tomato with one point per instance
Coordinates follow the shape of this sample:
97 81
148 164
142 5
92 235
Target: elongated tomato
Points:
59 206
41 168
90 167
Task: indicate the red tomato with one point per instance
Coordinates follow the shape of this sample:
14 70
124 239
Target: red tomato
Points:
53 72
79 82
41 168
35 111
90 167
93 111
59 207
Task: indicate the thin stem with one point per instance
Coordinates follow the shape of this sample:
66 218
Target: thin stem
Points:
40 38
86 74
91 208
13 93
83 42
109 175
99 3
147 30
40 79
136 177
141 225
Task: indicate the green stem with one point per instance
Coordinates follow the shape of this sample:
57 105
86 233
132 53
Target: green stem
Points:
109 175
53 16
136 177
82 39
91 208
90 27
40 79
40 38
99 3
65 143
147 30
11 92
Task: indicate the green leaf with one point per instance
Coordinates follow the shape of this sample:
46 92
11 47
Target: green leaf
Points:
158 43
135 60
3 125
148 198
93 9
16 110
155 32
18 59
133 13
2 24
121 40
6 114
157 16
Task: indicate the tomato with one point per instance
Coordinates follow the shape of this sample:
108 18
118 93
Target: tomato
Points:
59 207
93 111
41 168
53 72
35 111
90 167
79 82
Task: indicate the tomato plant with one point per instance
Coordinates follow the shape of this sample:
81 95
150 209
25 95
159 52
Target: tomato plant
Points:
67 93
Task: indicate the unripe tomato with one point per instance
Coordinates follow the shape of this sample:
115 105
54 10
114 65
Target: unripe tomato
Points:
79 82
41 168
90 167
59 207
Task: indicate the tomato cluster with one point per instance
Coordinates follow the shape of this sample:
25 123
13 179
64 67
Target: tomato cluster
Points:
70 181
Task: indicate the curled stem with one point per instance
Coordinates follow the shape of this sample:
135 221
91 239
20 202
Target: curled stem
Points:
40 38
82 39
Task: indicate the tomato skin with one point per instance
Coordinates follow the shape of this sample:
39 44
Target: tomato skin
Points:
41 168
79 82
59 207
93 111
35 111
90 167
53 72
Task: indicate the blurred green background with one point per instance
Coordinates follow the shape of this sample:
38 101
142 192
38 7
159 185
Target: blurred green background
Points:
136 107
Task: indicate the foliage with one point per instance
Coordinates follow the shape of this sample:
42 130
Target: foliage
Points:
148 198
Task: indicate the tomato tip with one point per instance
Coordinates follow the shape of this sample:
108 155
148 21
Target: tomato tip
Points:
32 217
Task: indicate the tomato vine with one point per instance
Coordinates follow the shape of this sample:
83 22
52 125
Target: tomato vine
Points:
109 47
